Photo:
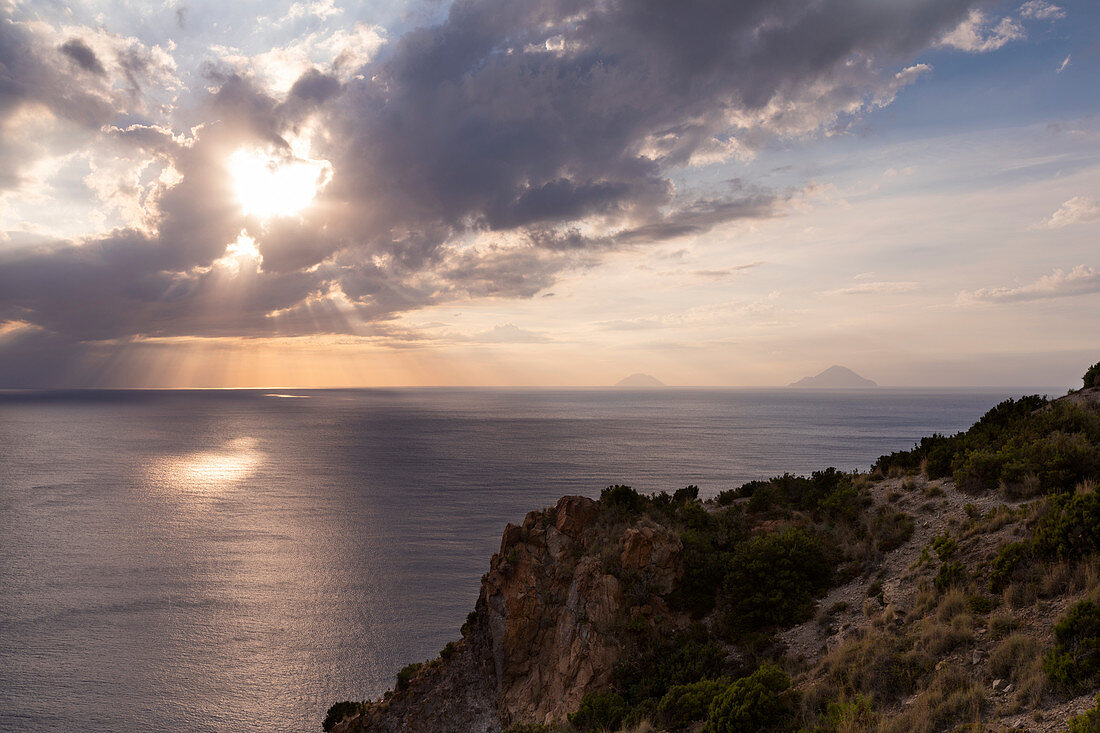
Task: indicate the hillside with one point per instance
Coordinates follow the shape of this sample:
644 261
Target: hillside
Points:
835 377
952 587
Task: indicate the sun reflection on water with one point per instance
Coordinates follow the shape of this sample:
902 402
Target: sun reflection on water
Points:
211 470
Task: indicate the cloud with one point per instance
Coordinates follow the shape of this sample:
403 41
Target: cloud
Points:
979 34
82 56
1077 210
1081 280
509 333
480 157
1041 10
875 288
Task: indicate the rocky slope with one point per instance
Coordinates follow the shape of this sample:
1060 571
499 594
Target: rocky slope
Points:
887 601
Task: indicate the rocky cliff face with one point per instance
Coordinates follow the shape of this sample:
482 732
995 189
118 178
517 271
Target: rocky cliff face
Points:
547 627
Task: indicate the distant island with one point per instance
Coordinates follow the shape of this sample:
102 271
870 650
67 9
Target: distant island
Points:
639 381
835 377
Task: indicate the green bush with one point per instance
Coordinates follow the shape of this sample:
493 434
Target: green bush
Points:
663 663
1009 558
407 673
599 711
951 573
849 715
760 702
1088 721
684 704
979 605
1057 443
1070 527
340 712
470 624
773 580
622 499
945 546
685 495
1092 376
1074 663
704 567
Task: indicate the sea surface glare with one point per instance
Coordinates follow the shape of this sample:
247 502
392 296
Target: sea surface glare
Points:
239 561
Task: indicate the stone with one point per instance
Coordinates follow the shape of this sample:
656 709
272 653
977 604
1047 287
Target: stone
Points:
573 513
656 552
512 536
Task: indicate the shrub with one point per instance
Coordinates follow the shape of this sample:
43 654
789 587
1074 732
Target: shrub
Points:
1047 446
1012 655
773 580
705 556
1009 558
849 715
950 574
685 495
470 624
891 528
1088 721
979 470
340 712
683 704
727 497
1074 663
1070 527
878 664
704 567
762 701
945 546
979 605
952 697
1092 376
623 499
664 663
599 711
407 673
448 651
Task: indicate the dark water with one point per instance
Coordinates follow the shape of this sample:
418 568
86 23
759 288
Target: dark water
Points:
207 561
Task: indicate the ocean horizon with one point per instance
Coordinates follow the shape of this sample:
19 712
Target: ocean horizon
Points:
242 559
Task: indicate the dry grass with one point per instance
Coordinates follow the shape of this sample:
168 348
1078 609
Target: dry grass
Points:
1013 655
1001 624
938 639
953 697
952 603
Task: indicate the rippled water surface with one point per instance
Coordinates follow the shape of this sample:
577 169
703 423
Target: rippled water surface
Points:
213 560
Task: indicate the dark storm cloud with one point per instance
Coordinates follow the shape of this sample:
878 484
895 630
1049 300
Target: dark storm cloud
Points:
548 129
32 74
83 56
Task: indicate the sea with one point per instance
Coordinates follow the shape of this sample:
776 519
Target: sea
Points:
239 560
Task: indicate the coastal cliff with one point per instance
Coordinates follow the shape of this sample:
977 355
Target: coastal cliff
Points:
952 585
548 624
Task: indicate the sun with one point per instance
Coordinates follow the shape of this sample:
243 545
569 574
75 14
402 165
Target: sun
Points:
269 186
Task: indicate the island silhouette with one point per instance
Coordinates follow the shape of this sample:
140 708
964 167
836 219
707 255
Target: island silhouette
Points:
835 377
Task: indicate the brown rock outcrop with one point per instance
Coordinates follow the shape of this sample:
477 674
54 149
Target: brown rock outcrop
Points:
548 625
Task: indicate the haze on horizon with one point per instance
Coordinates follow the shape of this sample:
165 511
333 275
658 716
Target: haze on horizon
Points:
488 192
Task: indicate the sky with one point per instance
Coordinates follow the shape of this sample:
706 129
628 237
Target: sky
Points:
318 193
